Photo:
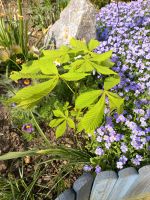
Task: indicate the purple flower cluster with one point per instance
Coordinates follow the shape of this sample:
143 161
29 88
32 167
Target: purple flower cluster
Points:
125 29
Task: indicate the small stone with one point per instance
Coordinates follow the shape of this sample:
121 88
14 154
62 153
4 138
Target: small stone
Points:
82 186
78 20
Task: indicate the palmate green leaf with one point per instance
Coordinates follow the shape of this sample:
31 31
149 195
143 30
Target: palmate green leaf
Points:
107 63
93 118
86 64
101 57
78 44
103 70
56 122
87 98
110 82
82 65
116 102
73 76
93 44
60 55
61 129
71 123
48 67
19 75
58 113
32 94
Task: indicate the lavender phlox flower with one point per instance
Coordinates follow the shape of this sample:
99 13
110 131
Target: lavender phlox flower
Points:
119 165
99 151
148 138
136 161
99 139
100 131
120 118
124 147
119 137
107 145
87 168
98 169
122 161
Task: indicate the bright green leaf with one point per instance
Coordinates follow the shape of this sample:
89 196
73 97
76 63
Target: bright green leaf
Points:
48 67
18 75
87 98
110 82
116 102
103 70
61 129
78 44
73 76
101 57
31 94
58 113
93 118
55 122
93 44
71 123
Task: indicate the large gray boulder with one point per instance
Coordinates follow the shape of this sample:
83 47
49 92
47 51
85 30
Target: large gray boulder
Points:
77 20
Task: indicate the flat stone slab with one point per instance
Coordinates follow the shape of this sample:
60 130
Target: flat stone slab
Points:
127 177
78 20
82 186
103 185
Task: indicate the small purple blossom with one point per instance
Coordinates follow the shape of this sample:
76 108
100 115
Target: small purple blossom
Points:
136 161
119 165
87 168
99 151
124 148
27 128
98 169
120 118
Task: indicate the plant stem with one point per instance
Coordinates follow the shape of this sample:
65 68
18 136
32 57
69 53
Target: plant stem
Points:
20 24
15 63
40 130
69 87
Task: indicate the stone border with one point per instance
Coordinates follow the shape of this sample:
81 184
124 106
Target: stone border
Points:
109 185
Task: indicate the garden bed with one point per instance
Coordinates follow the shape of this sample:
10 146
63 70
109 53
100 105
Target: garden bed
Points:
81 107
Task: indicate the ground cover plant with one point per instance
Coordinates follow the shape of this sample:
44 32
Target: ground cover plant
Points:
126 31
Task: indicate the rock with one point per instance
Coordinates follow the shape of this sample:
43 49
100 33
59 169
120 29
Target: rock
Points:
66 195
82 186
77 20
127 177
103 185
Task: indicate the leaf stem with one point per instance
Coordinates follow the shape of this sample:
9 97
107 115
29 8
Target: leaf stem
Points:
69 87
40 130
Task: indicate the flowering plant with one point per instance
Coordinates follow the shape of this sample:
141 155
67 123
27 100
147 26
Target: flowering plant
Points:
123 140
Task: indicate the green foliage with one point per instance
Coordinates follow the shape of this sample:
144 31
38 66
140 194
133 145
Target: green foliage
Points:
46 12
85 110
80 61
61 122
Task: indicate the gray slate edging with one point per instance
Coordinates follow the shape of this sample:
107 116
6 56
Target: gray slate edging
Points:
109 185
